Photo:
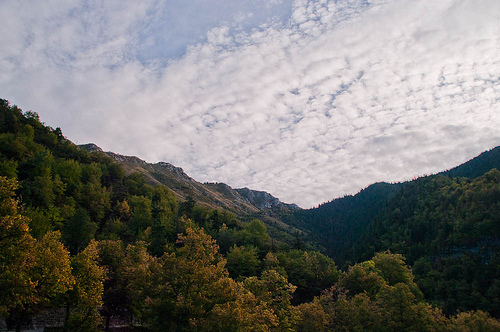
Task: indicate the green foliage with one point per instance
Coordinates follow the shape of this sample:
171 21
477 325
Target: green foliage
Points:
44 278
310 271
79 231
116 293
16 244
242 261
370 298
184 289
274 289
51 272
86 296
43 220
8 168
311 318
474 321
254 234
33 273
141 215
191 283
393 269
242 312
362 279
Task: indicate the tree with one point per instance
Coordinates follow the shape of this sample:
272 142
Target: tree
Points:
186 207
135 274
84 299
255 233
474 321
310 271
274 289
242 261
79 231
311 317
402 310
186 283
360 278
32 272
357 313
116 297
141 216
47 278
372 275
242 311
393 269
16 244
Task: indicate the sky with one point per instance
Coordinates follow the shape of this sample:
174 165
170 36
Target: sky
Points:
308 100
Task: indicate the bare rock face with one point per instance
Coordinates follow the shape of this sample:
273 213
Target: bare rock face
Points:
174 169
264 200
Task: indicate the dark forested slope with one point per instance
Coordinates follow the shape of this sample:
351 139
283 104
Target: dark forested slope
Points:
477 166
338 224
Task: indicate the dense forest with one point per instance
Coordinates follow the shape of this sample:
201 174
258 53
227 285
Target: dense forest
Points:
78 234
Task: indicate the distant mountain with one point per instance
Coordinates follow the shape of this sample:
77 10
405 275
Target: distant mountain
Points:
336 225
446 225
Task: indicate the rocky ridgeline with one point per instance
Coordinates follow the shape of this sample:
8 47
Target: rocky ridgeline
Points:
180 183
264 200
90 147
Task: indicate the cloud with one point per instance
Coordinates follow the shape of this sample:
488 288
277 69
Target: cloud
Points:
336 96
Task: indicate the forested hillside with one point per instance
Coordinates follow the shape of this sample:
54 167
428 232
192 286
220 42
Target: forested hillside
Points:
338 224
79 234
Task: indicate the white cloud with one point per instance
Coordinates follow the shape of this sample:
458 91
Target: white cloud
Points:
340 95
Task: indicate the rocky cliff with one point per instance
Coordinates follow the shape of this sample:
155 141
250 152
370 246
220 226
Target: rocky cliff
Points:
264 200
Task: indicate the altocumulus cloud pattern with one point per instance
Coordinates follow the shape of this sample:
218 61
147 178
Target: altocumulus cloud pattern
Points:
308 100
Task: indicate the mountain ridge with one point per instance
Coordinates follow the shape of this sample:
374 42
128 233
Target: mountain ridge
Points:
243 202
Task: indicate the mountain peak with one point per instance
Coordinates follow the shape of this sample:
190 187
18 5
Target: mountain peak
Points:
263 200
174 169
90 147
